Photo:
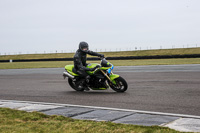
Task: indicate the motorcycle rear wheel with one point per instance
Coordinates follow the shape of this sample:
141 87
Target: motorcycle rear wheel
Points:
121 85
73 85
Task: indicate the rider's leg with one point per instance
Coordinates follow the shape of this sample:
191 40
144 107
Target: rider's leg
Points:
84 79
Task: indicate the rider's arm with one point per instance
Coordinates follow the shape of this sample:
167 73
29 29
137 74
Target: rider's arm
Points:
95 54
79 65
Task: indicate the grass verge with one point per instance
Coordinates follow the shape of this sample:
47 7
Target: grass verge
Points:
180 51
58 64
26 122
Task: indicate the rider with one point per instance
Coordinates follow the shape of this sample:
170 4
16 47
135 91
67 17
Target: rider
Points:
80 58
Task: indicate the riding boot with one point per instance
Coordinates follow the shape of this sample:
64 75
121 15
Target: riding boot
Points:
86 83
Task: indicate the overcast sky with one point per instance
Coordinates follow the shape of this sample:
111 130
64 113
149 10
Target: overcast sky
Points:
49 25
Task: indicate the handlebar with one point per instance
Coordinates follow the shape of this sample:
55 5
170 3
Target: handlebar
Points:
102 58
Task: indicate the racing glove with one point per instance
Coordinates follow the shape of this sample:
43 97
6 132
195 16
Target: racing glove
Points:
101 55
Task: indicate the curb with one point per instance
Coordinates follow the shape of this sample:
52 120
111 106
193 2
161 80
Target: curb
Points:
179 122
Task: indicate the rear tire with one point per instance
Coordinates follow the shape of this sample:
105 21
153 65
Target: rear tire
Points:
73 85
121 85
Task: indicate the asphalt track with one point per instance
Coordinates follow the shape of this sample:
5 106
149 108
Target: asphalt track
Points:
169 89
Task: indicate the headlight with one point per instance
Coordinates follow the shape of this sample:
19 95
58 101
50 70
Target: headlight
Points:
109 70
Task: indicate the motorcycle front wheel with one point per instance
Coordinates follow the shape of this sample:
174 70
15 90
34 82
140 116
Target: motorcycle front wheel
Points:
73 85
121 85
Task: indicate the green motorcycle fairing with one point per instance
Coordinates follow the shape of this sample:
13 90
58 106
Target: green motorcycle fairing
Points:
69 70
113 77
91 65
70 67
99 88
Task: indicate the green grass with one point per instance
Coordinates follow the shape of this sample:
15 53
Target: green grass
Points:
181 51
23 122
58 64
36 56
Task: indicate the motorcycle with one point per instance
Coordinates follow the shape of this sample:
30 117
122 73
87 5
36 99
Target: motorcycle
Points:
102 78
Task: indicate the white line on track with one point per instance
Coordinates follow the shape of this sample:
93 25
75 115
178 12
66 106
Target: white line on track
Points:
107 108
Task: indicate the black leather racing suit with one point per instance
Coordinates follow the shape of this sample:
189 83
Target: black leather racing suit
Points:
80 58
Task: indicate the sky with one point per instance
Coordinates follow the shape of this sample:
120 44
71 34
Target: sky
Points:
44 26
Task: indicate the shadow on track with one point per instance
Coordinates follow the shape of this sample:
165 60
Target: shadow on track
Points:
94 93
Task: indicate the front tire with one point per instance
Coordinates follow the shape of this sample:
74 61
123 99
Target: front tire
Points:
121 85
73 85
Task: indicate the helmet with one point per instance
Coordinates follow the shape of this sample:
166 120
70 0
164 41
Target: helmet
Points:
83 46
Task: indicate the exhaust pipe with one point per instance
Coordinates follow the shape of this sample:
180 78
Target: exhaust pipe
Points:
66 74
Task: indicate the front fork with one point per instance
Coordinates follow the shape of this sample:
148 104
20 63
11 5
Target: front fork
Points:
111 77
